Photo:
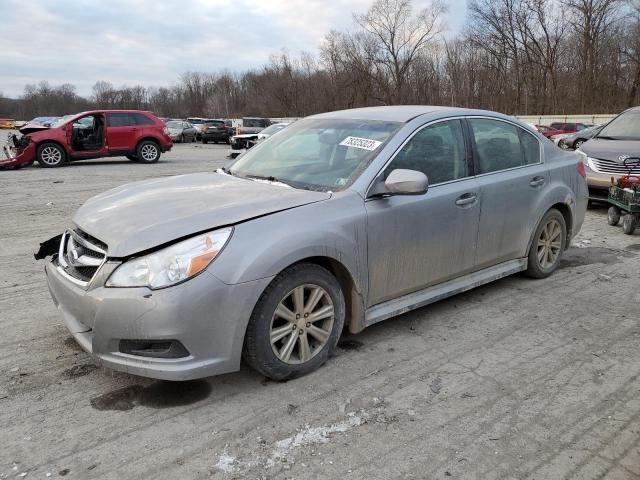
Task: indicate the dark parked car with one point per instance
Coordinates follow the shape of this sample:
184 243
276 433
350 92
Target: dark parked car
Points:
140 136
605 153
216 131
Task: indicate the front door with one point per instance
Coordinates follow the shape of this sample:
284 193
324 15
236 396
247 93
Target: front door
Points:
86 136
512 180
418 241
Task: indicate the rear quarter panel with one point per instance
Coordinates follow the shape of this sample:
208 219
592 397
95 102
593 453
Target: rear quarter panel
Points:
566 186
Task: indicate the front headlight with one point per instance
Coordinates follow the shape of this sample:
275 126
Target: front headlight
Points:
173 264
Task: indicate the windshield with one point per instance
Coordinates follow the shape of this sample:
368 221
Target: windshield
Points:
174 124
624 127
272 129
320 154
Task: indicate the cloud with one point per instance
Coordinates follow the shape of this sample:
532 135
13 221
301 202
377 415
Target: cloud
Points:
147 42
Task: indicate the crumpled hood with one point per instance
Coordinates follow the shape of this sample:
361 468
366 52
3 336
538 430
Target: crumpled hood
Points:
32 128
611 149
142 215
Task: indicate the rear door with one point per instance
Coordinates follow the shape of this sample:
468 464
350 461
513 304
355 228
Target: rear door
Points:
415 241
512 179
121 131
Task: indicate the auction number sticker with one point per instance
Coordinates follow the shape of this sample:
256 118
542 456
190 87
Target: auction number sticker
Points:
363 143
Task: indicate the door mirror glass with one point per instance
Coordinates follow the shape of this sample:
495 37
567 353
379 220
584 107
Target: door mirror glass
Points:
406 182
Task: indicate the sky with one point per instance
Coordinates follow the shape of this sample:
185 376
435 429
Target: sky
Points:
151 42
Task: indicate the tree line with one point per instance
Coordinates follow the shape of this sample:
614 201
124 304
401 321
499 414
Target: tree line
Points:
521 57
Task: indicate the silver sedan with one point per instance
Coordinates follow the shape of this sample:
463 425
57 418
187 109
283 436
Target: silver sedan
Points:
340 221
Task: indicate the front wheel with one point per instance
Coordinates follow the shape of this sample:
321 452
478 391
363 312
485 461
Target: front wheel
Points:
296 324
548 243
50 155
613 216
148 152
629 223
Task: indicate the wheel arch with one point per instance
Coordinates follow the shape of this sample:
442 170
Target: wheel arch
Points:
352 296
147 138
42 142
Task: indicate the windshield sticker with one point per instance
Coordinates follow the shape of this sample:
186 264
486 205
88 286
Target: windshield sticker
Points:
363 143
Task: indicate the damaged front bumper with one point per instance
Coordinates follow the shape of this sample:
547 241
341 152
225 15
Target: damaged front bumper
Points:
201 323
17 152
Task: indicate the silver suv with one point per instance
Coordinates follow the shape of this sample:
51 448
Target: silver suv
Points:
340 221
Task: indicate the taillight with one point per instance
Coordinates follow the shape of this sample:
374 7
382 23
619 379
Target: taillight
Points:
581 170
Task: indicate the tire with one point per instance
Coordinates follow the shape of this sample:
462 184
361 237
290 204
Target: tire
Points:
51 155
133 158
275 360
629 224
613 216
148 152
205 141
546 248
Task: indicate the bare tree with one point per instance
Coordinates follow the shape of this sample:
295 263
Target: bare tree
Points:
399 37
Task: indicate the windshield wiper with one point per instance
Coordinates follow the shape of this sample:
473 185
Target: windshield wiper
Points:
269 178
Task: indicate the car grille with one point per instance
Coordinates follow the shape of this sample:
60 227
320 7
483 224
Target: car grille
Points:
80 256
611 166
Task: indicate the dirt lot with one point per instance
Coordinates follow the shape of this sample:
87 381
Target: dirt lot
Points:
519 379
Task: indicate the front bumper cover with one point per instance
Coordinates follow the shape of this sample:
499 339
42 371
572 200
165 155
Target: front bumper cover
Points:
12 156
206 315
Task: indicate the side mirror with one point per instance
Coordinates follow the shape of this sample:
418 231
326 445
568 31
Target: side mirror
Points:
405 182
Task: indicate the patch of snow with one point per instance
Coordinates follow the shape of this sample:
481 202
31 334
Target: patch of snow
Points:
226 463
309 435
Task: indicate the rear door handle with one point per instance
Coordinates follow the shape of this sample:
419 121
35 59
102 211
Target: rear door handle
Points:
466 199
537 181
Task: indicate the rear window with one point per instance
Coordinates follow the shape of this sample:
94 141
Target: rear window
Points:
142 119
255 122
120 120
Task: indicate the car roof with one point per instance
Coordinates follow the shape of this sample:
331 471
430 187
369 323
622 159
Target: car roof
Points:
405 113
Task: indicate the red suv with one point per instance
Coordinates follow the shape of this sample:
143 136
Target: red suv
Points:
140 136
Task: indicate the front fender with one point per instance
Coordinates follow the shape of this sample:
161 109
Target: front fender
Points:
334 229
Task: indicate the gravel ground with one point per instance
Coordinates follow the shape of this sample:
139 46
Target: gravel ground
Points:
518 379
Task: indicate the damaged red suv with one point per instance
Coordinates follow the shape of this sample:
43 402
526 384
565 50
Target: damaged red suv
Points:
140 136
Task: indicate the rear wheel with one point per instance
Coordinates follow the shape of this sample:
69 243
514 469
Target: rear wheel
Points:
613 216
296 324
548 243
629 223
205 141
51 155
148 152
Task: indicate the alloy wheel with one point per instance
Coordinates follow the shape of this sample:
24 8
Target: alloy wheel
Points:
51 155
549 244
301 324
149 152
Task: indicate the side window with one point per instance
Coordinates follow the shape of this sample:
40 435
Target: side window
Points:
120 120
437 150
501 145
142 119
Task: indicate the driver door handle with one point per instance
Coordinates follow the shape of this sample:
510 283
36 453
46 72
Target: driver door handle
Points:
466 199
537 181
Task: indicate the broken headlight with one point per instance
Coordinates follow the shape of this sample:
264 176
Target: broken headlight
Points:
173 264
